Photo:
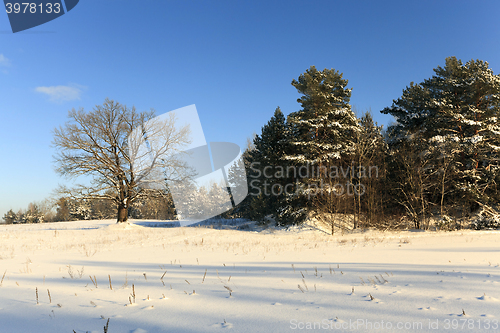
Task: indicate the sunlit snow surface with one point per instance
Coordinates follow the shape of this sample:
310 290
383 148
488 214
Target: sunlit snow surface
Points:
222 279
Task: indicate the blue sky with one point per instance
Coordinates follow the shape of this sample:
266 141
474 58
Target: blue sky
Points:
234 59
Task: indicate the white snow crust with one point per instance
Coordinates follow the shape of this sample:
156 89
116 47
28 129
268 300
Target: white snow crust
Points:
198 279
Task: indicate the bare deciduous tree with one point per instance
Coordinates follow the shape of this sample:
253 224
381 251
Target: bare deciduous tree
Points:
108 144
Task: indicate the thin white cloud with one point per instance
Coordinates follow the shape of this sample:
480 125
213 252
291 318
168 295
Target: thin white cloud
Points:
4 61
61 94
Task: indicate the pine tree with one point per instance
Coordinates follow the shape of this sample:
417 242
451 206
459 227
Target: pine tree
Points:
80 209
10 217
322 134
202 203
216 197
454 114
186 207
240 176
63 213
325 127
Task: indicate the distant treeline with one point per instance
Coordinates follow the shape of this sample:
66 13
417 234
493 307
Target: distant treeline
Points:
437 165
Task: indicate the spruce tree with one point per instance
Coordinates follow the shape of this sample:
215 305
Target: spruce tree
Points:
268 177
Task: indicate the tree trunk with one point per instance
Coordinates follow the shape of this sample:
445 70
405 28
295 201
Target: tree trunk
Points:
122 214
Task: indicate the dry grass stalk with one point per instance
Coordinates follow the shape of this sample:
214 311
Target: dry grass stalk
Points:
106 326
305 285
133 292
229 289
3 277
94 280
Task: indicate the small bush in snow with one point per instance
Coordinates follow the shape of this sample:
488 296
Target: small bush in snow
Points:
446 223
486 222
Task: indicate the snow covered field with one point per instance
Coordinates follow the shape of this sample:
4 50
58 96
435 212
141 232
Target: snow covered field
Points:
210 280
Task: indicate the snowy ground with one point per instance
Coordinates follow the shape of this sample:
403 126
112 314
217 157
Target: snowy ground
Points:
213 280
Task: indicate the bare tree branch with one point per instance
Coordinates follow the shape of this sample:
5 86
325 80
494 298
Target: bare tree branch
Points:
108 144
